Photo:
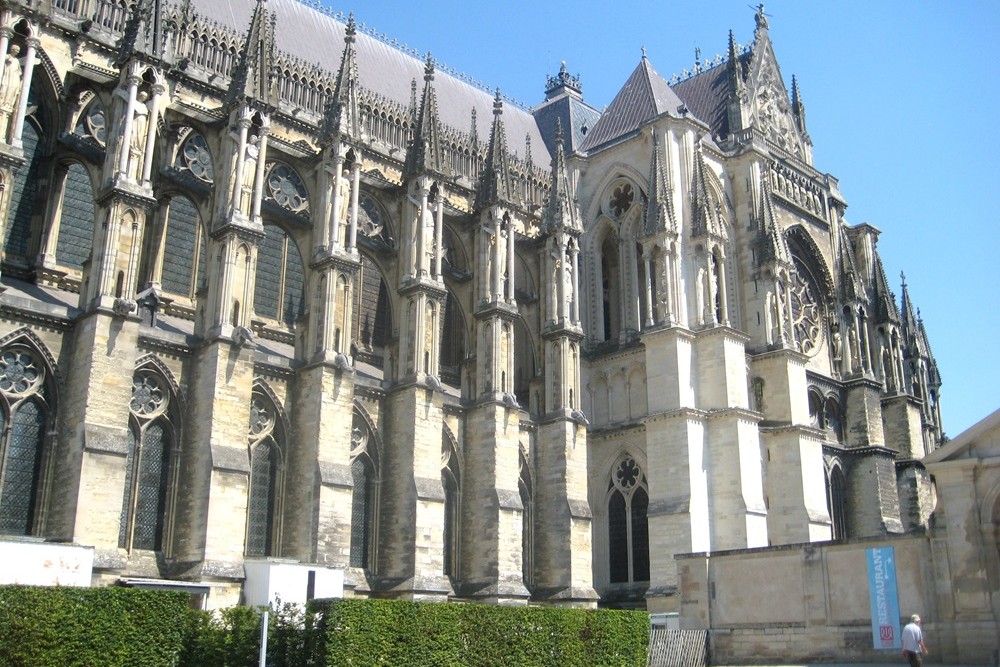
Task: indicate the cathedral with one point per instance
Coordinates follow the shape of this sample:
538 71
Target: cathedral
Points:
277 292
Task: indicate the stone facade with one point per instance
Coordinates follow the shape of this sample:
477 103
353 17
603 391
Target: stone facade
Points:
274 289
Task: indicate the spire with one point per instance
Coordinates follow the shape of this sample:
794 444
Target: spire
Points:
425 153
659 214
852 287
342 115
736 87
798 108
706 216
495 183
772 242
885 300
559 211
143 32
253 79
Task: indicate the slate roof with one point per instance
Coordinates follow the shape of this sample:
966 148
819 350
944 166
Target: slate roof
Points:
644 96
315 37
704 94
577 118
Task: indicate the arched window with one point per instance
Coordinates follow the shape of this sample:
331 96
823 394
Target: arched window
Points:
266 442
76 224
280 280
364 502
836 501
628 530
451 478
147 466
183 248
24 413
610 287
23 194
524 486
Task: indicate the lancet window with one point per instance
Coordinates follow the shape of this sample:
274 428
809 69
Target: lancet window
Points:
266 439
526 491
152 437
364 505
25 423
836 500
628 529
451 478
280 278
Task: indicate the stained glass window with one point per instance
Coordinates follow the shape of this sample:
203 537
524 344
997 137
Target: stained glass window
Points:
147 465
23 419
22 469
266 441
628 529
260 505
361 510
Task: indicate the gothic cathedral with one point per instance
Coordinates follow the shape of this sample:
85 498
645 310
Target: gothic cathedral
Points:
276 291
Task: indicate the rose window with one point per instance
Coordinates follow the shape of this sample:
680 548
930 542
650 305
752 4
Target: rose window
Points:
369 217
621 199
627 474
286 189
95 124
805 312
197 158
148 396
261 417
19 373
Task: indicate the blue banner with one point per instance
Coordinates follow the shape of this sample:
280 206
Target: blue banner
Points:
884 601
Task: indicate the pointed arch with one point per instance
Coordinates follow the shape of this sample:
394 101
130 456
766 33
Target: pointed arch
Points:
27 418
366 477
526 490
836 499
627 503
150 465
451 479
267 448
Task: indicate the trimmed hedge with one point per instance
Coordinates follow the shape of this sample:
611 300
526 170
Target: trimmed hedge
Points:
112 627
389 632
91 626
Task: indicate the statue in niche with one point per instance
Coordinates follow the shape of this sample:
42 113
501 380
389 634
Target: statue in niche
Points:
137 142
10 90
249 174
837 343
855 347
700 295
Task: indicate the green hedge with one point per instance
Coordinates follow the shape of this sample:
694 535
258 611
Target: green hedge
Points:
91 626
111 627
387 632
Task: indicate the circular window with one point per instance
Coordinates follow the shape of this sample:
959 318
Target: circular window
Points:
619 200
286 189
805 311
197 158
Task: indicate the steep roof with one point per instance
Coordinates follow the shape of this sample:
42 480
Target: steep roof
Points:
704 94
315 37
644 96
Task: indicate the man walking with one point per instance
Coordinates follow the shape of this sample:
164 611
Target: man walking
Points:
913 642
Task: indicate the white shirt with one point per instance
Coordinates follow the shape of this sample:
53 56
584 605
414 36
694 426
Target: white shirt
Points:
912 636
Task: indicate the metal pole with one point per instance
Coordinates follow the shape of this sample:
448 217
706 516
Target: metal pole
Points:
263 639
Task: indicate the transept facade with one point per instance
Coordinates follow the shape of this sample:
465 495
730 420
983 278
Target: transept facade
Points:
275 290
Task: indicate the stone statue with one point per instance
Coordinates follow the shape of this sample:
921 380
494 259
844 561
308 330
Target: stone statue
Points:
137 142
249 175
10 90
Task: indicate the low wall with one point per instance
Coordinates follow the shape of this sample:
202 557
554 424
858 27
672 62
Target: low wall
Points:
809 603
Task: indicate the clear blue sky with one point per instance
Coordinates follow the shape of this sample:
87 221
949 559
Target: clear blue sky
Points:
900 100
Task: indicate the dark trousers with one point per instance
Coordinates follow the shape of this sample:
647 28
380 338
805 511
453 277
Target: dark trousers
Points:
915 658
